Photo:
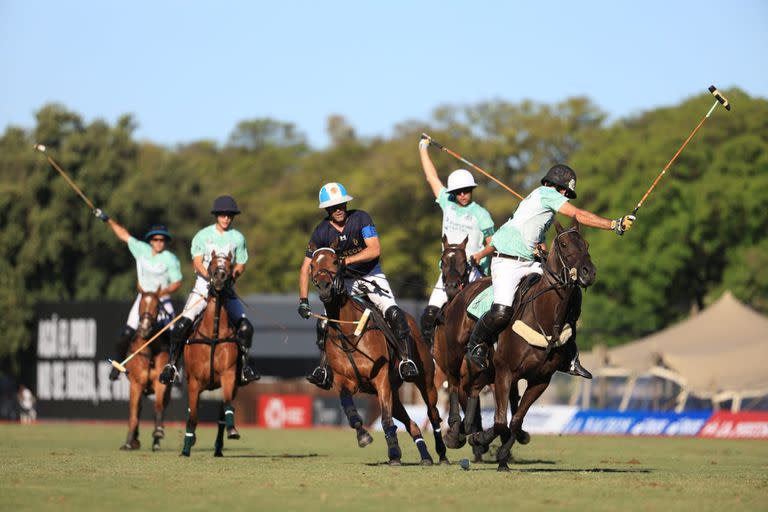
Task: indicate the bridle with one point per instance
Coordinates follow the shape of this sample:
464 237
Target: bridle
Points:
449 254
219 285
336 278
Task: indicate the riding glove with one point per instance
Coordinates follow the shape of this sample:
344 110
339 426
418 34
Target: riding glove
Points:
305 311
424 143
99 214
622 224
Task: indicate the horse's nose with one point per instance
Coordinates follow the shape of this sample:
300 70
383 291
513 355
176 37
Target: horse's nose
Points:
588 273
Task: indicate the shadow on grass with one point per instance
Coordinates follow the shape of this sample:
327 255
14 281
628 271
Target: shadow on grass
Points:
273 456
513 469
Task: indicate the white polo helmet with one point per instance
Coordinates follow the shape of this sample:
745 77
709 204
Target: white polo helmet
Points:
332 194
459 179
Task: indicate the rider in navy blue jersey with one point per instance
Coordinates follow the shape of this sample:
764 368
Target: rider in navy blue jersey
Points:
358 245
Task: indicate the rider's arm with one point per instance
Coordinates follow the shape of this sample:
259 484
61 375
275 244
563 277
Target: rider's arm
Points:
585 217
429 170
197 264
304 278
371 251
170 289
119 230
485 251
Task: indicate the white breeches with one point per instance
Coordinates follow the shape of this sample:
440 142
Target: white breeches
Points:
381 297
164 315
195 306
439 297
507 274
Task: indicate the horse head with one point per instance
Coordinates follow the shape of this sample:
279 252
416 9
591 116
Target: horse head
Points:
454 267
569 256
149 307
220 271
326 271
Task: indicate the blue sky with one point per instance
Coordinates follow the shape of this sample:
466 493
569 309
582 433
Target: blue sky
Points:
191 70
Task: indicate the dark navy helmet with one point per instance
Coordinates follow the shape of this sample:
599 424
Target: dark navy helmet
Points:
224 204
158 229
561 176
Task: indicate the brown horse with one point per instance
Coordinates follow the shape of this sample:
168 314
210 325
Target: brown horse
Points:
143 372
550 307
365 362
211 356
454 267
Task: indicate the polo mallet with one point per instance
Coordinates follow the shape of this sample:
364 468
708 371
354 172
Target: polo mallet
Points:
719 98
464 160
360 323
41 148
121 366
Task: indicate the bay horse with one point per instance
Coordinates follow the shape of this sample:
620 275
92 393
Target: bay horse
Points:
365 362
455 267
550 305
211 356
143 371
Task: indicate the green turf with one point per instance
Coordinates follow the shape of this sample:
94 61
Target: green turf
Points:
78 467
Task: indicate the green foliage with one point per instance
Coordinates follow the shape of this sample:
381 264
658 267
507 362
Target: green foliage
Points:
703 230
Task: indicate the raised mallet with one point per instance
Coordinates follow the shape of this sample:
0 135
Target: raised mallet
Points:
41 148
719 98
464 160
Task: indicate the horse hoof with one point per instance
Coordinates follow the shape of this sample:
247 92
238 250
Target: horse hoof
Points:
233 434
473 440
218 454
184 454
427 462
503 468
523 437
394 462
444 461
364 439
156 447
477 458
126 447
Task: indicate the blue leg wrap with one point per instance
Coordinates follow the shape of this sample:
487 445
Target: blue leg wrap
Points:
422 446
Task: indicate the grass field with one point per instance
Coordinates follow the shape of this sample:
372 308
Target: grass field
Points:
78 467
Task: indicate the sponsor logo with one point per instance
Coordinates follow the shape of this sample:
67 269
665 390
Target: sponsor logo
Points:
637 423
744 425
285 411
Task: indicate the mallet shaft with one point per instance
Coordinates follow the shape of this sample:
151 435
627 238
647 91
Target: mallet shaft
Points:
464 160
71 183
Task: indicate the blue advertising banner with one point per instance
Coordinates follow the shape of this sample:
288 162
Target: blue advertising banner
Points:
637 423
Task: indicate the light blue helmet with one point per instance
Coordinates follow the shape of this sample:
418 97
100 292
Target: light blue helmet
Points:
332 194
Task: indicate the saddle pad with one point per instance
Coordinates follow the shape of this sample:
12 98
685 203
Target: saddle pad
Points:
481 303
535 338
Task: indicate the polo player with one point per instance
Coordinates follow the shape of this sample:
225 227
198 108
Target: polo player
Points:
219 238
515 244
359 248
156 269
462 218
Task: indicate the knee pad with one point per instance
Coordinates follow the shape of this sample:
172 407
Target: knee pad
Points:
498 317
397 321
245 332
180 330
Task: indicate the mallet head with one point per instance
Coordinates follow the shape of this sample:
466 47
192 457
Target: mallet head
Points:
40 147
719 96
119 366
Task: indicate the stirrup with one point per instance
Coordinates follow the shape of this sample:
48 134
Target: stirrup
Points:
168 375
407 370
320 377
248 375
478 354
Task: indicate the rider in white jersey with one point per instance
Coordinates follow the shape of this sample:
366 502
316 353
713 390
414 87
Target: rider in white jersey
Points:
462 218
515 244
157 270
222 239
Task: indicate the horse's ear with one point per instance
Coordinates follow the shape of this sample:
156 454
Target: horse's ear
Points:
575 224
335 243
463 244
558 227
213 254
230 256
445 240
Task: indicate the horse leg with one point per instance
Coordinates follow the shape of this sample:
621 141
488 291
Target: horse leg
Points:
398 410
354 419
501 397
454 438
521 436
162 393
428 391
384 392
532 393
473 410
134 402
193 391
477 426
220 434
228 389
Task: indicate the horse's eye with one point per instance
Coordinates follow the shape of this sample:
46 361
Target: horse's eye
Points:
563 245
